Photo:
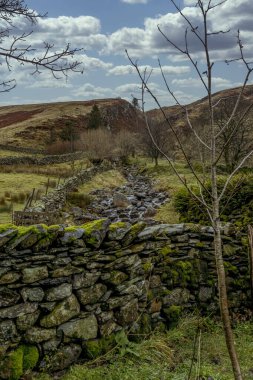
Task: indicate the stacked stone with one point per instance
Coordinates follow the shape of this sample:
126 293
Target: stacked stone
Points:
21 149
46 160
67 293
56 199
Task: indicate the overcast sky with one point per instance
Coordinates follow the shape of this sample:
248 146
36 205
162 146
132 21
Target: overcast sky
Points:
105 28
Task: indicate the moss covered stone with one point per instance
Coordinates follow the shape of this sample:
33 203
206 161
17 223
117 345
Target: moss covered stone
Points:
31 275
94 232
71 234
98 347
85 328
173 313
13 366
116 277
91 295
165 250
183 273
7 232
9 278
64 311
38 335
30 357
118 230
18 361
133 233
68 270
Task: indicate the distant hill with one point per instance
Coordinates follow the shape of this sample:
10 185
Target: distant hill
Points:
34 124
199 108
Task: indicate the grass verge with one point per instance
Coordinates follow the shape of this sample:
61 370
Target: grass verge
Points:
168 356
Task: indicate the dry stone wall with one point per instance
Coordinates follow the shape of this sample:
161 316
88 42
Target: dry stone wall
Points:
56 199
21 149
46 160
65 293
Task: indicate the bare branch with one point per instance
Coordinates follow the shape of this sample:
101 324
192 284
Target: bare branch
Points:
233 173
146 87
59 63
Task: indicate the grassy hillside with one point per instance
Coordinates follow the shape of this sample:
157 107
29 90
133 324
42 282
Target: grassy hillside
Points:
21 125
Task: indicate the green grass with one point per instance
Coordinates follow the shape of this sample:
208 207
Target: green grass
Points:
17 179
168 356
106 180
9 153
165 179
12 184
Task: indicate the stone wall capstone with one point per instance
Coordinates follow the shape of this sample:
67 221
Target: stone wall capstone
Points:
65 293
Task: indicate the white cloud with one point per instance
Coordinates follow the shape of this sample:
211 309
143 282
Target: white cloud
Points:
129 69
190 2
148 41
218 82
89 91
187 82
68 26
91 63
128 88
135 1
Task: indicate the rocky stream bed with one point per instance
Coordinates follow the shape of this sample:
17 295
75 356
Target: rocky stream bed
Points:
136 200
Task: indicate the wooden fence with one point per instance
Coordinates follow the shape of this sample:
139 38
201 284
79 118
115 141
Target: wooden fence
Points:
25 218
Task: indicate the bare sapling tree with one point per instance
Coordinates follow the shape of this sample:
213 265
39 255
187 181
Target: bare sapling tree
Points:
15 49
203 33
235 140
162 139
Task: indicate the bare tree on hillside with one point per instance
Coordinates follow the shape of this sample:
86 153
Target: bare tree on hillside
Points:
14 48
162 137
126 143
98 144
235 141
203 33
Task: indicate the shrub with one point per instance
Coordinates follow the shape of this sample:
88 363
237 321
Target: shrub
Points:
2 201
236 205
79 199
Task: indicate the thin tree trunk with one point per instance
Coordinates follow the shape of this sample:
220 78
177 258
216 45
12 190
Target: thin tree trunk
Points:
250 236
224 302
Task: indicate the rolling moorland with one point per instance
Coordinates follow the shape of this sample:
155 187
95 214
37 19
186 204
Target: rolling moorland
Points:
130 188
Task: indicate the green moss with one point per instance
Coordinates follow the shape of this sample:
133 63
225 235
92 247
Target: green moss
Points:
117 225
245 241
95 225
147 266
165 250
93 349
193 227
175 276
6 227
95 231
183 273
146 326
242 282
14 364
211 282
71 229
30 358
230 268
150 295
98 347
173 313
229 249
200 244
117 277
